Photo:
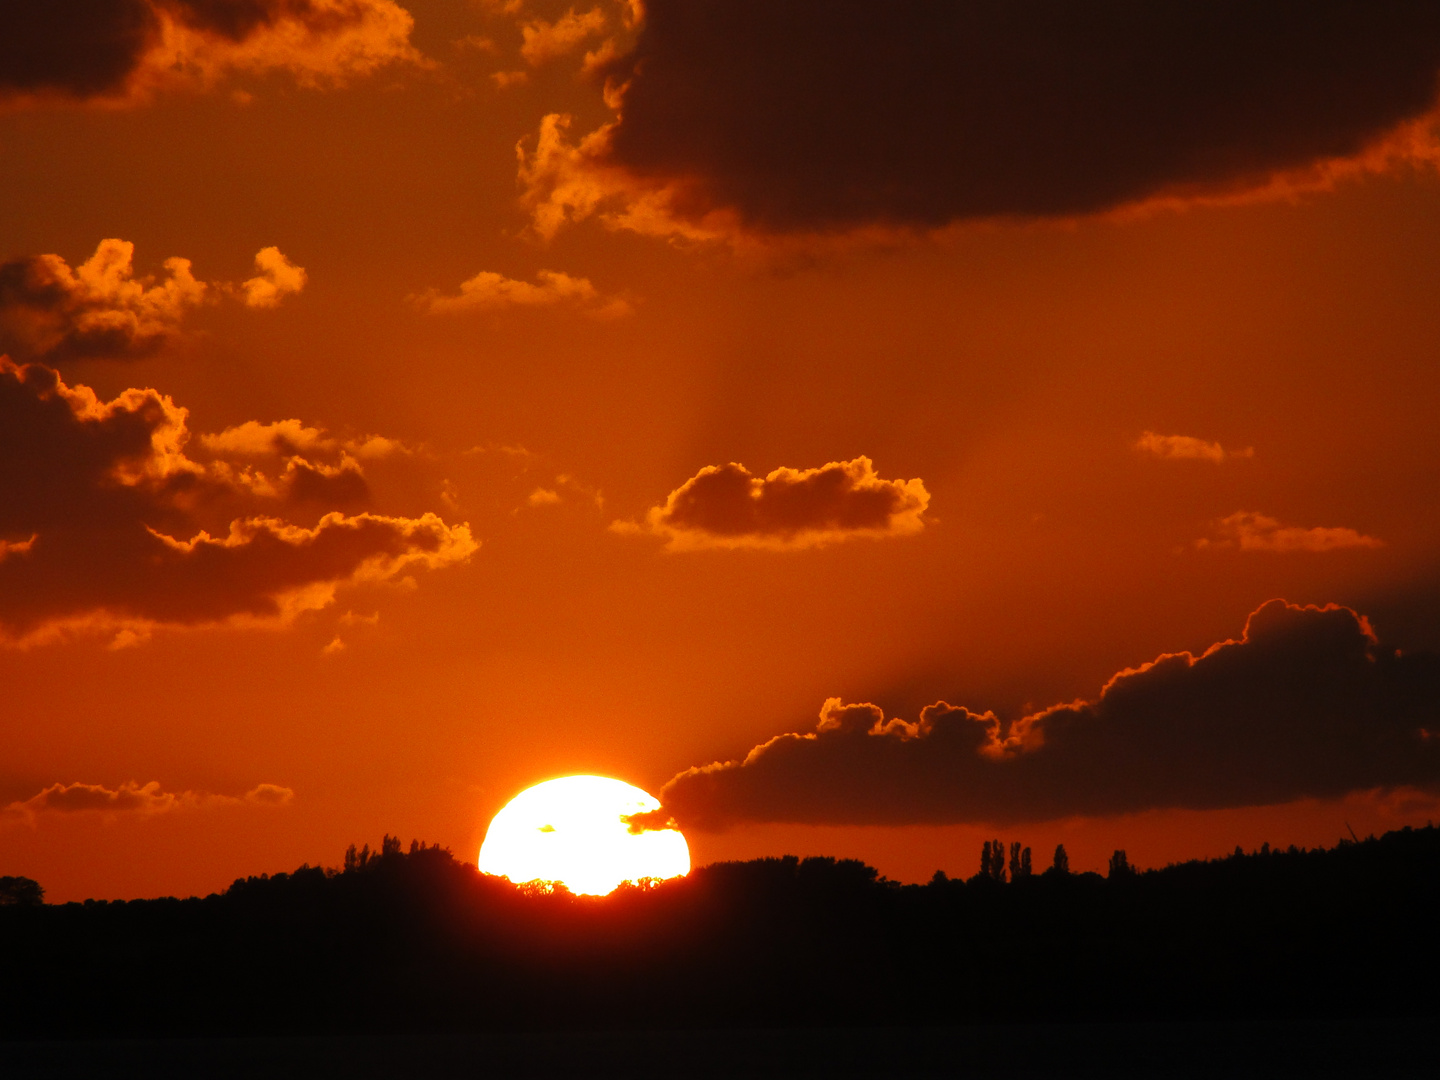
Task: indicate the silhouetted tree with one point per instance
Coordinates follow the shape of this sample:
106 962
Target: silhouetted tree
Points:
992 860
1019 861
389 846
20 892
357 860
1120 865
1061 863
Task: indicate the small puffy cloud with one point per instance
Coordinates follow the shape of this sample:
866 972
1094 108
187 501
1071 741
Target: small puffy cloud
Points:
100 309
489 291
545 41
824 117
1186 448
726 506
1307 703
1249 531
566 489
122 51
270 795
132 799
278 277
110 525
504 80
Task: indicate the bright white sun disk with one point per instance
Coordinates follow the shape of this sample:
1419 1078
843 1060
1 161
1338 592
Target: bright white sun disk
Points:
572 830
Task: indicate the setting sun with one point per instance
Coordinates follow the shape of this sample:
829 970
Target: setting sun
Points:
573 830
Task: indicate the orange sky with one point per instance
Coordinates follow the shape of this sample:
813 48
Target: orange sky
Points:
1263 306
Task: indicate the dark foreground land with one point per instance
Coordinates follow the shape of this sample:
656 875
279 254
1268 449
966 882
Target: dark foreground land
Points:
1219 1050
1298 963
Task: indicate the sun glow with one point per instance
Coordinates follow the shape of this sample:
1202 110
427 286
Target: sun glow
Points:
572 830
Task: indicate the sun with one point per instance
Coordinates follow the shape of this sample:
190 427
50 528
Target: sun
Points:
572 830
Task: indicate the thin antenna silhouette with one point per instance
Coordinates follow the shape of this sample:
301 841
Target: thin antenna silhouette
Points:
1352 833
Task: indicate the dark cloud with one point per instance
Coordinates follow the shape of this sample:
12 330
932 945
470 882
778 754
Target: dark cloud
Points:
106 522
818 115
81 48
1307 703
88 49
133 798
728 506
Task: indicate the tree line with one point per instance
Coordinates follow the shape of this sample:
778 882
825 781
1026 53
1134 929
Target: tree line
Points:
411 938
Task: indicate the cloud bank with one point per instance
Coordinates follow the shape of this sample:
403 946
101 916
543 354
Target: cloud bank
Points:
822 116
121 51
1248 531
1307 703
101 310
132 799
726 506
108 524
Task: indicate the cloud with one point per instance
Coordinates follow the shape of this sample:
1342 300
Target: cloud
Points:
278 278
1256 532
101 310
122 51
1185 448
270 795
131 798
826 116
1307 703
566 489
726 506
110 525
284 438
488 291
545 41
98 309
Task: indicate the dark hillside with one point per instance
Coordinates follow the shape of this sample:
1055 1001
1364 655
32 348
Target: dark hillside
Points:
418 941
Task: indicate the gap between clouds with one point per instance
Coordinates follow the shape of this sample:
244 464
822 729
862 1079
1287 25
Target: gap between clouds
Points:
101 310
1307 703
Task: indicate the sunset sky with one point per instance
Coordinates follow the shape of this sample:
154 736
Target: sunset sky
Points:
412 400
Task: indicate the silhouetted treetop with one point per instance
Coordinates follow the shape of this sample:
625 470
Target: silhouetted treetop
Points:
20 892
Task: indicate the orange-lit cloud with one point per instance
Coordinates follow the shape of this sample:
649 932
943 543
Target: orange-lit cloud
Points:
131 798
544 41
111 526
829 116
278 278
1186 448
121 51
489 291
1249 531
100 309
285 438
1307 703
726 506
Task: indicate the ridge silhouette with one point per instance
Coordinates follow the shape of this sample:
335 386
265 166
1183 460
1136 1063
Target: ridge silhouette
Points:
417 940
